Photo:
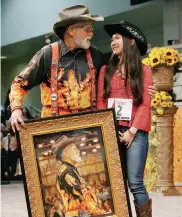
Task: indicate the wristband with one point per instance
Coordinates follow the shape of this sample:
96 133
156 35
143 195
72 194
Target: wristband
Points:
15 108
132 134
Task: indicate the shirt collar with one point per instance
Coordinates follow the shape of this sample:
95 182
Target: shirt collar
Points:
64 49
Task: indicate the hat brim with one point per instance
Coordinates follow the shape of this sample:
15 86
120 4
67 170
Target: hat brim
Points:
112 29
71 20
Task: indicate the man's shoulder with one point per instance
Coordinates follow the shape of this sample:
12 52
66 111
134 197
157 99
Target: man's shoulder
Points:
95 50
98 57
62 169
46 49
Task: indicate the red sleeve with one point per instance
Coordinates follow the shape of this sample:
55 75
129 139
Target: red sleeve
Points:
101 101
142 119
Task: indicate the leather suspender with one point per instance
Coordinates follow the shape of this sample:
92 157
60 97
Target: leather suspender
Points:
93 84
54 74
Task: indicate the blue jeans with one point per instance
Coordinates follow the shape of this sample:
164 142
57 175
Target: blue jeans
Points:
135 160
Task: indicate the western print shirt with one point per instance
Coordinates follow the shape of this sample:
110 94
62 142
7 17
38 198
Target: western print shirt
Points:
73 79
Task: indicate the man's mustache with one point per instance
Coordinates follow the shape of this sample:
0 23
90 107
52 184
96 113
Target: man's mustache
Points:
88 38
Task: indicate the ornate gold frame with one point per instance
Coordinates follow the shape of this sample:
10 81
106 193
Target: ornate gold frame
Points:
105 119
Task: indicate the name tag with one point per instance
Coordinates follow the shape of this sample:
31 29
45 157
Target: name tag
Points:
123 108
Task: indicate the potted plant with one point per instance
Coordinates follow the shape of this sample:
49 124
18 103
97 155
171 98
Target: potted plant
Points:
162 61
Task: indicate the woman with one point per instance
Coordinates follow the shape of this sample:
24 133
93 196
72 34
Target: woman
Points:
123 84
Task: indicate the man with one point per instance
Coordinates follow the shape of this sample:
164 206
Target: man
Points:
66 70
76 194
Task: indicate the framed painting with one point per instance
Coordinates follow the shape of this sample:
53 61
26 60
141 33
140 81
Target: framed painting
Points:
71 166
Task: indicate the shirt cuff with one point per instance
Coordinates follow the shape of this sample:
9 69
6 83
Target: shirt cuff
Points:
15 104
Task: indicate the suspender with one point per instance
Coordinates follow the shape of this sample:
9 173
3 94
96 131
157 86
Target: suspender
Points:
93 84
54 78
54 74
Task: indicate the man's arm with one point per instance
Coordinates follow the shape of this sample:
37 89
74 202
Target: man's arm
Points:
31 76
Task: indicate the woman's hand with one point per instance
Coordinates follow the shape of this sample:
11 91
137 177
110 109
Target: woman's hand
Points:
152 90
127 138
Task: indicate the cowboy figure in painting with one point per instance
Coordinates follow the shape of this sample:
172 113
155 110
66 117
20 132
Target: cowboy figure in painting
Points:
76 194
65 70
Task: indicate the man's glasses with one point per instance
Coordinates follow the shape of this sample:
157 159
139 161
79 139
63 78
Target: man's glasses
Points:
86 28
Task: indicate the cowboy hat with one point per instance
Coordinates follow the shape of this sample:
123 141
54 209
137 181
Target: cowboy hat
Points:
60 145
73 14
130 31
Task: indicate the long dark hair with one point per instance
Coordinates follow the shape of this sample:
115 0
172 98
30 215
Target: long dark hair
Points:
133 70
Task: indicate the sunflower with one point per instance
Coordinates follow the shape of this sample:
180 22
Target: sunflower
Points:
164 104
164 97
169 104
160 111
169 52
163 61
170 61
153 128
158 98
180 59
155 60
154 51
162 56
163 93
161 50
146 61
175 60
154 118
154 102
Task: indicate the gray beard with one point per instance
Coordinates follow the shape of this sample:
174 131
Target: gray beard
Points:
83 44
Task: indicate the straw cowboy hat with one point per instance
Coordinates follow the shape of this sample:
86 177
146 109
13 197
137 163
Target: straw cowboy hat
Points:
130 31
73 14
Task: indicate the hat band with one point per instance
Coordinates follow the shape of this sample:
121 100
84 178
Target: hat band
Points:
135 33
87 15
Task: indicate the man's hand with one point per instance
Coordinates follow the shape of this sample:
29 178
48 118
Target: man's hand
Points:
152 90
16 119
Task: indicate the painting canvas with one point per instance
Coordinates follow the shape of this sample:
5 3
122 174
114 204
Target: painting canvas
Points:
72 166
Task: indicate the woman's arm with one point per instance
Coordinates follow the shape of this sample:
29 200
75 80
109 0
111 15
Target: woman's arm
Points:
143 116
101 101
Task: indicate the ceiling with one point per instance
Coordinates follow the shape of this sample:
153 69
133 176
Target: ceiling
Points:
144 17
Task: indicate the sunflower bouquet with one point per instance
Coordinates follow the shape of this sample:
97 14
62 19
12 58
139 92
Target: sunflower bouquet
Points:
161 101
162 56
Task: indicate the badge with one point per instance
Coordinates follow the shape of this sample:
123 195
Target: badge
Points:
123 108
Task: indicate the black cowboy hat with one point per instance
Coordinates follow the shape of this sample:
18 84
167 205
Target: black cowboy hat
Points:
130 31
73 14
